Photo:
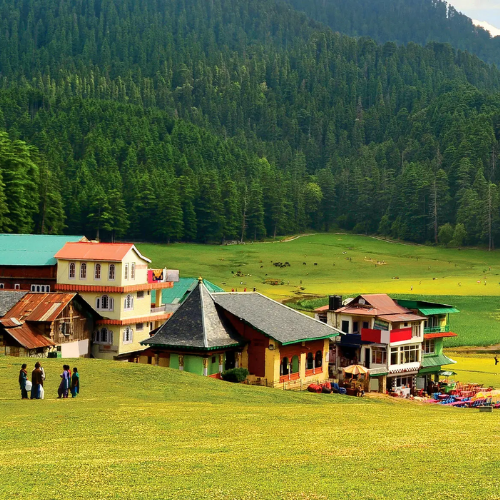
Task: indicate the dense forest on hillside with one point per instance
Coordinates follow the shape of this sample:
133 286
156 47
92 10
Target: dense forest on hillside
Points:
203 121
404 21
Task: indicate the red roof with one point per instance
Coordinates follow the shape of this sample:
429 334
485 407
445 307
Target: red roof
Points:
439 335
28 337
39 306
88 250
401 317
322 308
377 304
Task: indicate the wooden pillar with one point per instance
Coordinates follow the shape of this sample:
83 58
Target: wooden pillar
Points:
221 362
157 358
181 362
238 360
205 367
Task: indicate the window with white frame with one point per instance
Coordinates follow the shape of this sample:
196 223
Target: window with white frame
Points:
132 271
2 286
17 286
40 288
128 335
111 275
104 303
379 355
103 336
97 271
83 271
405 354
403 381
140 294
72 270
139 327
129 302
125 267
429 346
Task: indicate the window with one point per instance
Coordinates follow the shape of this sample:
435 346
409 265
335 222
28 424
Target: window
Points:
355 327
366 324
415 330
403 381
394 356
129 302
139 327
429 346
126 271
103 336
128 335
1 286
111 276
17 286
65 328
104 303
97 272
140 295
213 359
40 288
72 270
405 354
83 271
379 356
132 271
319 358
309 361
345 326
284 366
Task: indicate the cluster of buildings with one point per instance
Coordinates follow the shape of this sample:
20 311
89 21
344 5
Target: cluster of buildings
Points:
69 297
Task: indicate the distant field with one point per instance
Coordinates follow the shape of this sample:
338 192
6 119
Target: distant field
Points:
345 264
348 265
143 432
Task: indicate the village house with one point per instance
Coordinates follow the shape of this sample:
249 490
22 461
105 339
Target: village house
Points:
436 329
27 261
380 334
114 279
36 324
212 332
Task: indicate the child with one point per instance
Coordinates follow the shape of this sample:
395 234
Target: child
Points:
75 383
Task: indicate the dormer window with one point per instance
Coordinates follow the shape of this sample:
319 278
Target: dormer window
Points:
72 270
111 272
83 271
97 272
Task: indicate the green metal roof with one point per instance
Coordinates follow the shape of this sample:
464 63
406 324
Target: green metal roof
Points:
178 293
429 311
436 360
31 249
427 308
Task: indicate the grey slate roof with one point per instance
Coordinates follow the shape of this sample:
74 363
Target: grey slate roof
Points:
197 324
280 322
8 299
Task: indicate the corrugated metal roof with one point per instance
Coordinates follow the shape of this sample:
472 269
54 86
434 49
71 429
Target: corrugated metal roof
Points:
401 317
40 306
114 252
373 305
439 335
32 249
436 360
28 337
429 311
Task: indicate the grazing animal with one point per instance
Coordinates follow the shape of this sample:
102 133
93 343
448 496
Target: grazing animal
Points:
304 264
315 263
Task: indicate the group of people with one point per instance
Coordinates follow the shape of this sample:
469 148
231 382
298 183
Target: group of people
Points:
70 382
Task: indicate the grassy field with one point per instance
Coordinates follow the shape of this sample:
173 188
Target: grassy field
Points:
348 265
139 431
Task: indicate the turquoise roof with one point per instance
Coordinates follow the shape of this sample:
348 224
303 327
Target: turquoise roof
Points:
31 249
180 290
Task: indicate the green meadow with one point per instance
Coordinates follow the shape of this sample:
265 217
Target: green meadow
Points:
144 432
351 264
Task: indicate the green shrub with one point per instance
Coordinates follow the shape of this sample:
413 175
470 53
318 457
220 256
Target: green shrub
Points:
235 375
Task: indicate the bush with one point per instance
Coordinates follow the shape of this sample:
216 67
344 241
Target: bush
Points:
235 375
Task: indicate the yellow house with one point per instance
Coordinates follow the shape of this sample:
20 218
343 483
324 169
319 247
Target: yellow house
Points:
114 279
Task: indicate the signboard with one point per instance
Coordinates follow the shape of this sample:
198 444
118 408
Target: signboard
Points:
380 325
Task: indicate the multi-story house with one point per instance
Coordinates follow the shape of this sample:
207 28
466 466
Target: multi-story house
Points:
436 329
113 278
381 335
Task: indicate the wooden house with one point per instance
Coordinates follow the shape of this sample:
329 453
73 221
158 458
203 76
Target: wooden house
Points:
34 324
27 261
211 332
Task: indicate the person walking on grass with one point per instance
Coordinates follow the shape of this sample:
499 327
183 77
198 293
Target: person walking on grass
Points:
36 381
75 383
496 361
62 392
23 378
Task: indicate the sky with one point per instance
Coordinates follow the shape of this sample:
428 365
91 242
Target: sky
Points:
486 11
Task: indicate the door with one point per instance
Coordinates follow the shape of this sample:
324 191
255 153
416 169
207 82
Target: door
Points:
367 357
230 360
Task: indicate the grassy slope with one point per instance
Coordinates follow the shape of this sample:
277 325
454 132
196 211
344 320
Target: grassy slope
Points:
416 266
138 431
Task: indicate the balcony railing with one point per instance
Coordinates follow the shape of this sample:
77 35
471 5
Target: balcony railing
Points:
160 309
437 329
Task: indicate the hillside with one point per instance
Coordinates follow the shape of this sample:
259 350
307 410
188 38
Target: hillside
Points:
142 432
196 121
404 21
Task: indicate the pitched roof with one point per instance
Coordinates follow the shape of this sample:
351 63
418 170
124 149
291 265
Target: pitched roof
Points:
392 318
40 306
280 322
32 249
197 324
178 293
28 337
427 308
436 360
89 250
379 304
8 299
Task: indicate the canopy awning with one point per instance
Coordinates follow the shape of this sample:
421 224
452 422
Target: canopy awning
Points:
436 360
429 311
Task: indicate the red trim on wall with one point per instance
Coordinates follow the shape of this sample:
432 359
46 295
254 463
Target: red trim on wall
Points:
131 321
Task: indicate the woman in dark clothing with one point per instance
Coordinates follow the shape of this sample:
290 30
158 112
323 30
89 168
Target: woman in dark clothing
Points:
23 378
36 381
64 385
75 383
